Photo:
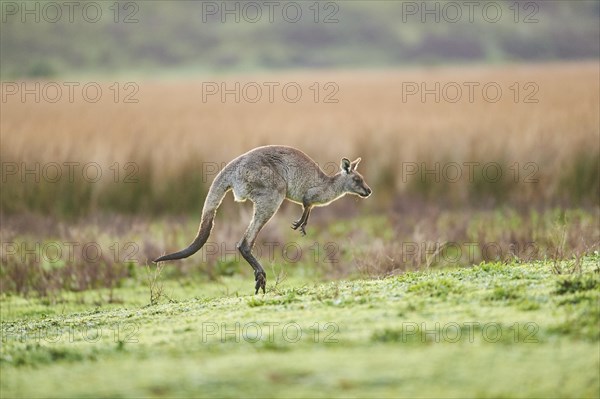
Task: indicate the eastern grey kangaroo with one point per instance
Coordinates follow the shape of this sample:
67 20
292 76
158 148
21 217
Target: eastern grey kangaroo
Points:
266 176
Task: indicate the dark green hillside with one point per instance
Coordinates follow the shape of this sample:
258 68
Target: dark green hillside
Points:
190 37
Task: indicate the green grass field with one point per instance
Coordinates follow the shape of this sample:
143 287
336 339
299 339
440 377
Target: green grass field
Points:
492 330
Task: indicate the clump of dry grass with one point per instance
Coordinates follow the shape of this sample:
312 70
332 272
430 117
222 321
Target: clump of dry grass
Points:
468 237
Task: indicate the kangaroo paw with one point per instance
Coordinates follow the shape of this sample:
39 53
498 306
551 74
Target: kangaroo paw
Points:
298 224
261 281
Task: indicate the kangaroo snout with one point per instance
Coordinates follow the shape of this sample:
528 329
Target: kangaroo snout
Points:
367 193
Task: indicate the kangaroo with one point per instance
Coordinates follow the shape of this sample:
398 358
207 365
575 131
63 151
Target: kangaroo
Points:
266 176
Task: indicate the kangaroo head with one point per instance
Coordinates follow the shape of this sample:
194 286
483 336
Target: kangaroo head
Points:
353 182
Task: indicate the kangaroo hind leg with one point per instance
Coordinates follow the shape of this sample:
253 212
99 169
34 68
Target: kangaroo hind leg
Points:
264 209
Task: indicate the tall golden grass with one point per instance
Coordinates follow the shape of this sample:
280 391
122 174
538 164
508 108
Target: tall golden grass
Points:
170 133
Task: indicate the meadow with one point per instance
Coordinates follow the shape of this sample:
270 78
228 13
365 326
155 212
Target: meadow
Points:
484 219
493 330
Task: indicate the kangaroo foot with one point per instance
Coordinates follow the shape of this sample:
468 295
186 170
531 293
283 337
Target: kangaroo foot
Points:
298 224
261 280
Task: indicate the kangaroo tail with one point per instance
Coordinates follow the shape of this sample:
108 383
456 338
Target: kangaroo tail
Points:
215 195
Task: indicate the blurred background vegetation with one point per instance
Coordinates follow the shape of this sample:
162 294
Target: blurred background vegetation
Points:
163 37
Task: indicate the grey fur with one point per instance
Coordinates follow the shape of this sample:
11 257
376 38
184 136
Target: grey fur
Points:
266 176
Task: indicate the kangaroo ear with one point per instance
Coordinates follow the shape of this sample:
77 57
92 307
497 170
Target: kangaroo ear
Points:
355 163
345 165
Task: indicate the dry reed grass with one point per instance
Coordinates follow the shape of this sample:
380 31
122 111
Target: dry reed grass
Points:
171 132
